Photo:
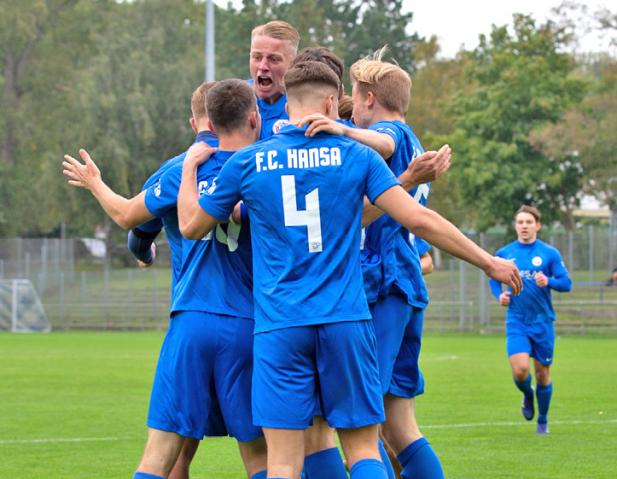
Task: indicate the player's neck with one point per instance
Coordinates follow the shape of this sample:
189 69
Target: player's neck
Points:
381 114
273 99
298 113
236 141
528 241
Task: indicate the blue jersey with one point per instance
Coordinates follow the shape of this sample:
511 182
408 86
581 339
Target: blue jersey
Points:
217 274
534 303
304 198
164 208
391 263
273 115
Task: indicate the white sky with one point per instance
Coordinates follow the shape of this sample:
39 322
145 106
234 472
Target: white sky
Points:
459 22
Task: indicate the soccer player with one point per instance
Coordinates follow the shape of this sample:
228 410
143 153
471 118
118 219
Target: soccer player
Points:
395 285
314 340
530 316
273 47
131 214
321 451
202 385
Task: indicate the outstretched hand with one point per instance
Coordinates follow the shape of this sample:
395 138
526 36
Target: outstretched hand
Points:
430 165
83 175
507 273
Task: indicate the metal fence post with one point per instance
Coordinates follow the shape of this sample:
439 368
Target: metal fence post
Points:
590 259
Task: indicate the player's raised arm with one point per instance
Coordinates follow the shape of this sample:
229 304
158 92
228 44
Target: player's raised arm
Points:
193 221
125 212
441 233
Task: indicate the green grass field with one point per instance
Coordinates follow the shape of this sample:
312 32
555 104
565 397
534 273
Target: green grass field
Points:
73 406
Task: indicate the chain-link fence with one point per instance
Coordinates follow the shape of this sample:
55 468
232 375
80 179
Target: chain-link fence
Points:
87 284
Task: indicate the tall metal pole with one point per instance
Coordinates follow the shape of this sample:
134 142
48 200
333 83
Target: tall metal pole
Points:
209 46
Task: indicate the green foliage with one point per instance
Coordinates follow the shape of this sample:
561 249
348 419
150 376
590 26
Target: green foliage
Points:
521 81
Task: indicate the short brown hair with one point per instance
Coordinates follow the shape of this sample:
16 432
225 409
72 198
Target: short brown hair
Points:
390 84
280 30
229 104
302 79
345 107
323 55
198 100
532 210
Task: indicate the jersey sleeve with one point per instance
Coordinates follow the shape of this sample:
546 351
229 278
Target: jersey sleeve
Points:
220 199
422 246
387 128
559 279
163 195
379 177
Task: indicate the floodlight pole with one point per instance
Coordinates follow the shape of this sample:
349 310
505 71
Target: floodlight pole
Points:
209 46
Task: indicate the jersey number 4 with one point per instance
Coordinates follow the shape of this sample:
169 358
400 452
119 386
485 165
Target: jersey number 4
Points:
309 217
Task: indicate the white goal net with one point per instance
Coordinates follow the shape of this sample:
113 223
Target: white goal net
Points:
21 310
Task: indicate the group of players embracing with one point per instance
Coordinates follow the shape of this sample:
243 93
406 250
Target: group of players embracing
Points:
297 290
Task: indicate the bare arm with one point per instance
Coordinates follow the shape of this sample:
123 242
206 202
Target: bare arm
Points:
125 212
193 221
380 142
429 166
441 233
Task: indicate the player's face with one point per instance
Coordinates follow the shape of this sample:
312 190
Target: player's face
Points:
360 112
526 227
270 60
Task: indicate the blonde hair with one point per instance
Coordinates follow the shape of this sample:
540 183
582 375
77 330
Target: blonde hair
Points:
345 107
390 84
280 30
198 100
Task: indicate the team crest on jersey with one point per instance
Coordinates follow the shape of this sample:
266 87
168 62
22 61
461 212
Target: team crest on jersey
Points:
279 124
212 187
536 261
202 186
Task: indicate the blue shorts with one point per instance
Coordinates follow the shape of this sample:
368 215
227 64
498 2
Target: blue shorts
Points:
328 367
398 328
202 385
536 339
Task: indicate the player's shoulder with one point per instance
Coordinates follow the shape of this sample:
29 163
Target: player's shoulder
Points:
549 249
513 245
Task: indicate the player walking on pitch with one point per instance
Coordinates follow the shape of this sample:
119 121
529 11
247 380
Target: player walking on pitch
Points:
530 316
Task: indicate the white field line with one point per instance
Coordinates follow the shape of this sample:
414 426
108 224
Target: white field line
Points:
423 426
517 423
63 439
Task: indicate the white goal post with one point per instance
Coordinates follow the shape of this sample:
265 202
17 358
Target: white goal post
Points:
21 310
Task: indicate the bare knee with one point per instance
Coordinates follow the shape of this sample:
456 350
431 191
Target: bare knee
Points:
520 366
161 452
543 374
253 455
359 443
318 437
180 469
400 428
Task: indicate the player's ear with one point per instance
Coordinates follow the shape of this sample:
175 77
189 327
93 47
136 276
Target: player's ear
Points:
211 126
370 98
538 226
193 123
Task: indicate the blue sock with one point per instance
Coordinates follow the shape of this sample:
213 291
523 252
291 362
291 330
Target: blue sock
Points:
543 394
327 463
386 460
260 475
525 386
368 469
145 475
419 461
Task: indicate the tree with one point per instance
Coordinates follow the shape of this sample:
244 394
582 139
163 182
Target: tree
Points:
521 81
